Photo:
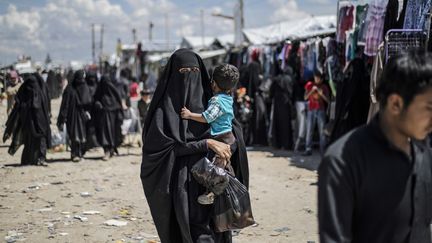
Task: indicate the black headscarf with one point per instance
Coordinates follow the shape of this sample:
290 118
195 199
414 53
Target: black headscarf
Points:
81 87
165 175
107 94
92 82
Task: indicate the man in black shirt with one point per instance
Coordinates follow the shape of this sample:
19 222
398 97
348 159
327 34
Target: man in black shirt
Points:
375 183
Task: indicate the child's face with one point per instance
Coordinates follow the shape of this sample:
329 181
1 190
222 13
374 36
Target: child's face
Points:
214 86
318 79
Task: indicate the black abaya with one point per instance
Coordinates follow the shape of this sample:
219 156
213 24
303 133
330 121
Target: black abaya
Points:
29 123
282 107
258 125
74 110
352 100
108 114
173 145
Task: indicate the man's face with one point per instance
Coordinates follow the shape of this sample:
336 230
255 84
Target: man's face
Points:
416 120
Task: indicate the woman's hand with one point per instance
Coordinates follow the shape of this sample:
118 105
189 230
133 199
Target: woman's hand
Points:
222 150
222 163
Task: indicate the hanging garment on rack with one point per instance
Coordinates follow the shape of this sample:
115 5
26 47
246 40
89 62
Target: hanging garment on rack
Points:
391 16
361 23
416 14
346 20
377 69
350 46
374 35
352 101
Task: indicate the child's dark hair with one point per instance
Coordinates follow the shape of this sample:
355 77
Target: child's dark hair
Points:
226 76
318 73
407 75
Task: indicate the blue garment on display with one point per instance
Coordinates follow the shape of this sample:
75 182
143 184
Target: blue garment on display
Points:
416 14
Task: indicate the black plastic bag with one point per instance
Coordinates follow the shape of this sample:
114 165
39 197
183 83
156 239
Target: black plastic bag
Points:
232 209
214 178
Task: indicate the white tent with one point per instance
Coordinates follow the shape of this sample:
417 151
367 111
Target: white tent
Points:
226 40
293 29
197 42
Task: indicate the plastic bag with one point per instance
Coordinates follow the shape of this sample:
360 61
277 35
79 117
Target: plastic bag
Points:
211 176
232 209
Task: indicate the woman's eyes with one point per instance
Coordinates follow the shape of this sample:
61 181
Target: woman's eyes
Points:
189 69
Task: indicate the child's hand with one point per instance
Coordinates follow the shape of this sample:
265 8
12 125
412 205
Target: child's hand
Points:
185 113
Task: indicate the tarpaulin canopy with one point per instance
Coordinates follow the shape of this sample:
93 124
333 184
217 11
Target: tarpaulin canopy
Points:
293 29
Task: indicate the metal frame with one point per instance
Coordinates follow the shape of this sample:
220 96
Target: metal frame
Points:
398 41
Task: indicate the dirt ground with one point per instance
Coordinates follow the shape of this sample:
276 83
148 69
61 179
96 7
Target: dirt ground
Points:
72 202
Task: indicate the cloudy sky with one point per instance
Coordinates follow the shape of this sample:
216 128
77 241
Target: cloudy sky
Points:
62 28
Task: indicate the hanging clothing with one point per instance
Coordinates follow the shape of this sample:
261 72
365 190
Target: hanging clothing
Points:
377 70
374 34
346 21
108 113
361 22
352 99
282 110
391 16
173 145
416 14
29 122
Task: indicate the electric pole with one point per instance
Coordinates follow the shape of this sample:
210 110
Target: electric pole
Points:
134 36
101 44
93 43
151 25
238 19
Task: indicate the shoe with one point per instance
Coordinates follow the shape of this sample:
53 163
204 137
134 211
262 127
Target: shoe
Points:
76 159
106 156
307 153
41 162
206 199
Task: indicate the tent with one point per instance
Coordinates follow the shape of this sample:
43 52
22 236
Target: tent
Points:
293 29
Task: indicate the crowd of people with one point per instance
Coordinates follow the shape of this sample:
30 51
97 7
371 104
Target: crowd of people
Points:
96 111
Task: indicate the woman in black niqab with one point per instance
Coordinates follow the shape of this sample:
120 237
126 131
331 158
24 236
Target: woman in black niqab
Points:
173 145
108 116
281 93
29 122
75 112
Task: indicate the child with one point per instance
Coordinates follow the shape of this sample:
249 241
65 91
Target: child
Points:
219 113
317 94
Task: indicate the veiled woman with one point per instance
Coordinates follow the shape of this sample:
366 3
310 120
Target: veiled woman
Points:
173 145
108 116
75 112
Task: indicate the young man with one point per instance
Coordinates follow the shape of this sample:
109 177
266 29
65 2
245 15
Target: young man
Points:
375 183
317 94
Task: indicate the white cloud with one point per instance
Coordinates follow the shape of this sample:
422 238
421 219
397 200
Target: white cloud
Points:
319 1
285 10
63 27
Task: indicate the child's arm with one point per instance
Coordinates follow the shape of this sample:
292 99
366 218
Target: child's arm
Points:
323 95
307 94
187 114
